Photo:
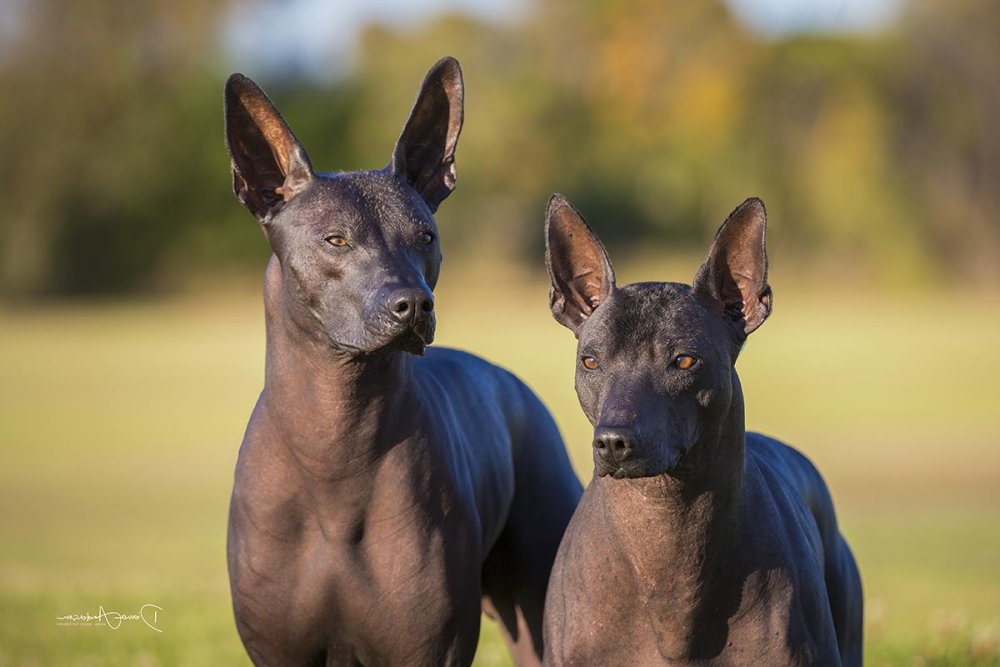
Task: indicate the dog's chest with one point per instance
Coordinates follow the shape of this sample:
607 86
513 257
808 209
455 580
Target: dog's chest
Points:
376 588
398 587
618 611
657 633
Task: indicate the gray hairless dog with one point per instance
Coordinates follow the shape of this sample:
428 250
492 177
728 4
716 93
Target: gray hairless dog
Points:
696 542
382 498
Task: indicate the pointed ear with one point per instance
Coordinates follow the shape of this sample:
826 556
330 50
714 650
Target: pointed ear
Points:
581 273
269 165
734 277
424 156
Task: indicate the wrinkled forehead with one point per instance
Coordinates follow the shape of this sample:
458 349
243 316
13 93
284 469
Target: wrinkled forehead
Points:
353 199
657 316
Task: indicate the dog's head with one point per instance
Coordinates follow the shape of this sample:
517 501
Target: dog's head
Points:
358 252
655 372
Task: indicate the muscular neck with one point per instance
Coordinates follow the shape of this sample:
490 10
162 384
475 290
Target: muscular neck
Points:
677 532
335 412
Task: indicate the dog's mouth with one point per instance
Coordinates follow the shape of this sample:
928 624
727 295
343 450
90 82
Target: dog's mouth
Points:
637 468
411 341
620 471
412 338
617 470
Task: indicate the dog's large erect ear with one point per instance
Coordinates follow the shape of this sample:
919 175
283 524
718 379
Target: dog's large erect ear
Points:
581 273
424 156
734 277
269 165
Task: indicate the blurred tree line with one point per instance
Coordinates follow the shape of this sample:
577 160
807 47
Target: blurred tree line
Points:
876 153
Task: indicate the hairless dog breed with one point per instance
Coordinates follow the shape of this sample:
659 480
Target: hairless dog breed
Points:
696 542
382 498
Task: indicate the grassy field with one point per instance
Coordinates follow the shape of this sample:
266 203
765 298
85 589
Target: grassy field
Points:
120 423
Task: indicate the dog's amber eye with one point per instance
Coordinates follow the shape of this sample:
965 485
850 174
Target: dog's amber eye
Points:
337 241
589 363
684 361
427 238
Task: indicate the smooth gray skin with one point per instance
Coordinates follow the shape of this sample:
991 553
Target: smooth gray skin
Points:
695 542
382 499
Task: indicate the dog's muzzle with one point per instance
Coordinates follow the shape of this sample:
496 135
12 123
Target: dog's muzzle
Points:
410 317
414 335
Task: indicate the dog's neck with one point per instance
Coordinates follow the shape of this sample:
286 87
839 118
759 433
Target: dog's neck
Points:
333 410
677 530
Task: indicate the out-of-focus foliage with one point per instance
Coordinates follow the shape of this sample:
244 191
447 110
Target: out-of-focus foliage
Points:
875 153
109 131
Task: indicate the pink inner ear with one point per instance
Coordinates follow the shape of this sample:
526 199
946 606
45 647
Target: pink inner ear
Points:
745 285
273 130
587 284
578 265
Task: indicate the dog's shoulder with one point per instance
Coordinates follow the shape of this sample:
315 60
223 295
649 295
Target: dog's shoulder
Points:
467 377
452 366
783 460
791 470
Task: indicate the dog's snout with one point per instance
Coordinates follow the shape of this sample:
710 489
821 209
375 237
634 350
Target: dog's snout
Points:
408 304
613 444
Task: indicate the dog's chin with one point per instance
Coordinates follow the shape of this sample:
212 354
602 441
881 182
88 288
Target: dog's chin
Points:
404 342
627 470
410 342
674 466
410 339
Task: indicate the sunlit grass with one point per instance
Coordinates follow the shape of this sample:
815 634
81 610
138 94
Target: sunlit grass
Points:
120 424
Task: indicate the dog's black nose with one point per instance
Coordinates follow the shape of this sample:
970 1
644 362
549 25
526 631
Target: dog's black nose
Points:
613 444
409 304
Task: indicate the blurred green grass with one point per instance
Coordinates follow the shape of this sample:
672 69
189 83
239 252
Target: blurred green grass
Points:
120 424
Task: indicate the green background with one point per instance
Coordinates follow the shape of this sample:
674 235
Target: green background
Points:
131 325
121 424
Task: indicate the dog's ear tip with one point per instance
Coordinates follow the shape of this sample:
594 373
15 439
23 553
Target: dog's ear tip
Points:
448 67
240 87
236 81
557 202
750 217
754 206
